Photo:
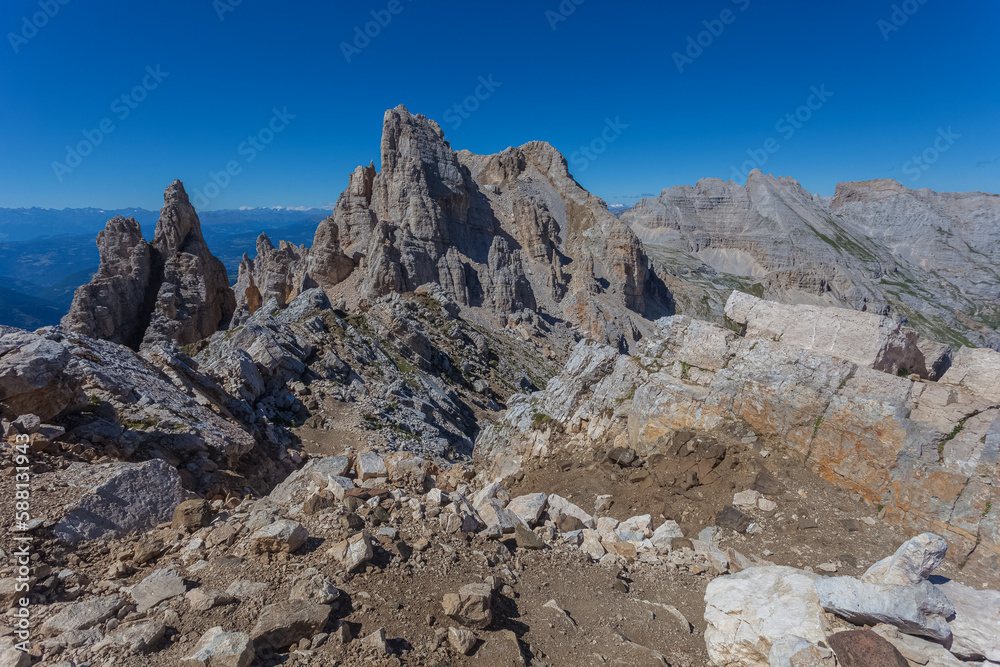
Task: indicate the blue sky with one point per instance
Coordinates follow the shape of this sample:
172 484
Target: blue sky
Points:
603 82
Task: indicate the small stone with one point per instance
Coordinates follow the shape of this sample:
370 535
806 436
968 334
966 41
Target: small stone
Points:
203 599
463 641
313 586
376 641
191 515
733 519
527 539
285 623
161 585
746 498
471 606
766 505
218 648
283 536
353 552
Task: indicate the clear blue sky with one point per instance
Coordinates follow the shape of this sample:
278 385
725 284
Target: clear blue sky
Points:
604 61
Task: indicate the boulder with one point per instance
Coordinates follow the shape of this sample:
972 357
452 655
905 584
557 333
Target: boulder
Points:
315 475
218 648
919 609
559 507
864 648
529 507
202 599
526 538
912 563
284 623
471 606
32 377
866 339
975 629
749 611
121 497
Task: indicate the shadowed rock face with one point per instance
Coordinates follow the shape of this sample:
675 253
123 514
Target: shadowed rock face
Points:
512 234
875 246
169 290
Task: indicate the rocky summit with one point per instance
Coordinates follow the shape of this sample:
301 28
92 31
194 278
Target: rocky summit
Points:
482 420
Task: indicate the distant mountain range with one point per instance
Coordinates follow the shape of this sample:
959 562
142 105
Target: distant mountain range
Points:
45 254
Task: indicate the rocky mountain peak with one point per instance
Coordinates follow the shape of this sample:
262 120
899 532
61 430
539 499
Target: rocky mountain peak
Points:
171 289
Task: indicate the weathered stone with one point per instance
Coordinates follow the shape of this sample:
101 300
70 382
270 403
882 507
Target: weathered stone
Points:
864 648
284 623
13 657
463 641
161 585
135 637
792 651
526 538
376 641
353 552
912 563
191 515
559 507
471 606
313 586
529 507
82 615
749 611
975 627
124 497
192 297
664 535
218 648
733 519
370 466
592 545
284 535
202 599
918 609
917 650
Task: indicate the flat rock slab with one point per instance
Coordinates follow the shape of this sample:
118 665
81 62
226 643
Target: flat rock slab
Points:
916 610
82 615
125 497
218 648
284 623
137 637
161 585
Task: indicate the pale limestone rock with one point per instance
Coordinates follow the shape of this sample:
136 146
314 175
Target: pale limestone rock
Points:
912 563
529 507
919 609
284 535
749 611
559 506
218 648
284 623
976 626
665 533
162 584
82 615
353 552
471 606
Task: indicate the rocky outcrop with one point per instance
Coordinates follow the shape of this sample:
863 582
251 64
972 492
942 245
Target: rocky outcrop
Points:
111 306
510 234
171 289
927 451
869 340
275 273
